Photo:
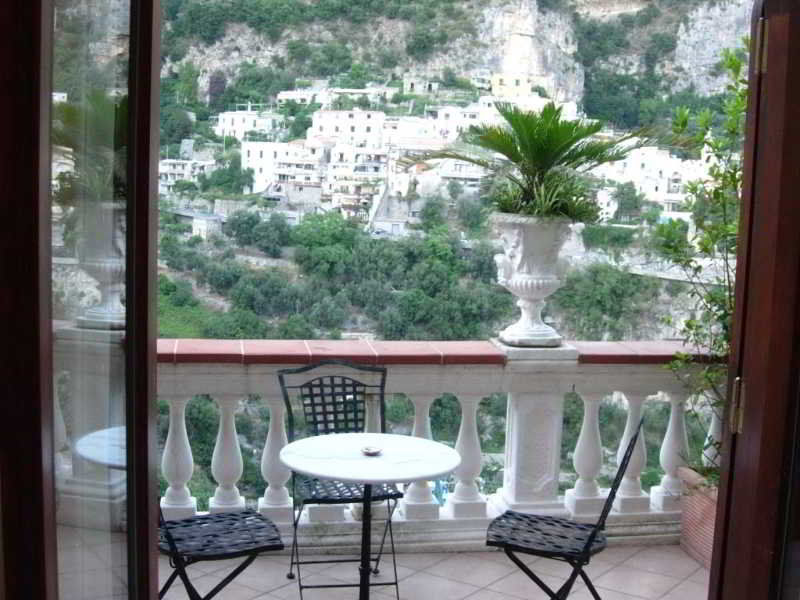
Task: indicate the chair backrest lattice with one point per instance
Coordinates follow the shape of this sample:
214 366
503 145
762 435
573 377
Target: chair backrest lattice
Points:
333 403
612 492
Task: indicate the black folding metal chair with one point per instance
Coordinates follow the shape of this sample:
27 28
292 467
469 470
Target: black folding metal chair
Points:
555 538
335 404
244 534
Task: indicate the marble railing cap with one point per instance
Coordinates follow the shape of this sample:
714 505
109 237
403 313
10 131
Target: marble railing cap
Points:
399 352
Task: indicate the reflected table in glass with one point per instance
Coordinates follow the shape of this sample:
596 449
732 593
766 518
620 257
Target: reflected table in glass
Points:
369 459
104 447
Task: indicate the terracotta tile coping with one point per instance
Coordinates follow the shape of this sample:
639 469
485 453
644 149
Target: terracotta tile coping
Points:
631 353
394 353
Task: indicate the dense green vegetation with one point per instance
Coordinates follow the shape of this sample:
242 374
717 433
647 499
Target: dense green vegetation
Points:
415 288
603 302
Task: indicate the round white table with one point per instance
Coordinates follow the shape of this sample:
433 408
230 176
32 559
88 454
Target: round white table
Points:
339 457
104 447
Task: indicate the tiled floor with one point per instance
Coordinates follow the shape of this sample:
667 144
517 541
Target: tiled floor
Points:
92 567
619 573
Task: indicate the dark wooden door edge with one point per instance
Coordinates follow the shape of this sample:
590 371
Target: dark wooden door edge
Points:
142 447
750 518
26 454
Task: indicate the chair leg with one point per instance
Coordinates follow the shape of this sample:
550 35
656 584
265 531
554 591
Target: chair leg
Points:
294 555
589 585
230 577
524 568
394 556
168 583
387 527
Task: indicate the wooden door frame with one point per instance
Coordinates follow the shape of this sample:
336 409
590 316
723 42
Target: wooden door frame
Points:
765 348
26 449
142 319
27 515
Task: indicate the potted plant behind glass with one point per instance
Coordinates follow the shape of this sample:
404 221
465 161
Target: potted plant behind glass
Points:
91 196
708 260
541 159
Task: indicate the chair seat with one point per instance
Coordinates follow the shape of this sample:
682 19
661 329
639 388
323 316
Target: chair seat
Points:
541 535
222 535
325 491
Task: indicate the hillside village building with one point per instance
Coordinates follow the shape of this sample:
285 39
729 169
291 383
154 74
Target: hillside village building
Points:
237 123
350 159
657 174
172 170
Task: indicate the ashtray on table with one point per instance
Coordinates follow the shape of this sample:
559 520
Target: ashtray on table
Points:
371 451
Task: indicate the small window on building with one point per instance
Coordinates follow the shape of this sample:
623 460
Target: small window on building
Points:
369 128
516 82
260 154
336 129
248 154
350 115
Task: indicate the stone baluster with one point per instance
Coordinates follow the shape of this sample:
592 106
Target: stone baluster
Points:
372 414
177 463
59 433
466 500
630 497
276 504
418 501
585 498
713 442
674 450
226 461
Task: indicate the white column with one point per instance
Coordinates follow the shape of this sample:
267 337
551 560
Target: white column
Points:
418 501
466 500
630 497
226 462
534 423
63 468
711 447
177 463
276 504
674 449
585 498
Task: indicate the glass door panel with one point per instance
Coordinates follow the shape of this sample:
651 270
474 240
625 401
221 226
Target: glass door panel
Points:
90 185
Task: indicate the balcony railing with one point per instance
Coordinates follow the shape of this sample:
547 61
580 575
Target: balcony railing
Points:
536 381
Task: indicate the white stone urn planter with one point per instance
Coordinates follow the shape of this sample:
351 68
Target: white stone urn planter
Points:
101 252
530 269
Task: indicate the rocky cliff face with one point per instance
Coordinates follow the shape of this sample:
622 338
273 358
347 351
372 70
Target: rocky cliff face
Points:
701 38
518 36
513 36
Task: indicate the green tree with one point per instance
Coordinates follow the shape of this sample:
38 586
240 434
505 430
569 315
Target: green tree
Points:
630 203
187 83
603 302
229 178
296 327
714 202
433 213
236 324
241 226
272 235
175 125
471 214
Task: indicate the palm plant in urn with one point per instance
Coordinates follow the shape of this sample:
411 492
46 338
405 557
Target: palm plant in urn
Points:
539 159
90 196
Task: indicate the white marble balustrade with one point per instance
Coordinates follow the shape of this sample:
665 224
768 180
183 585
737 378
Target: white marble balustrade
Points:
536 382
